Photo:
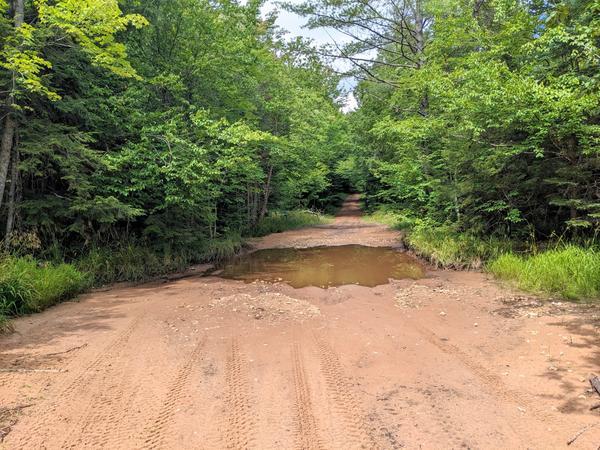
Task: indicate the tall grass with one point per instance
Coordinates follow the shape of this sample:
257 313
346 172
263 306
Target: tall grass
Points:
570 271
445 248
278 221
441 245
27 286
131 262
127 263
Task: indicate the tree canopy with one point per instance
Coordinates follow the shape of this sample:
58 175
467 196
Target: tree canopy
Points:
173 123
168 123
481 113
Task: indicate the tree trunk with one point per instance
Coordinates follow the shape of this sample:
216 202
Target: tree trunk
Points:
12 193
419 34
477 8
420 51
10 125
263 210
6 147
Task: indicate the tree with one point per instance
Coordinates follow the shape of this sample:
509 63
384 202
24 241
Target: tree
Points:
90 24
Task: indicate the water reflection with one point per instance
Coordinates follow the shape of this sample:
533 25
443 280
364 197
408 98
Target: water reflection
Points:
325 266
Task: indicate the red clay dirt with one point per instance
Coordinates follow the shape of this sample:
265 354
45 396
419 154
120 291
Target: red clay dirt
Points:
449 361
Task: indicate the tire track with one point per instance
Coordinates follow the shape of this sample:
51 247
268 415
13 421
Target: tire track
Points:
240 422
454 436
106 412
38 431
492 382
306 431
157 435
356 428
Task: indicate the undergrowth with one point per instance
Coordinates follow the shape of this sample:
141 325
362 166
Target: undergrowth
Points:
568 271
278 221
131 262
27 286
442 246
446 248
392 219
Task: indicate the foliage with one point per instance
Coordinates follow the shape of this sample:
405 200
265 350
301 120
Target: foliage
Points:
169 125
27 286
89 24
491 125
390 218
569 271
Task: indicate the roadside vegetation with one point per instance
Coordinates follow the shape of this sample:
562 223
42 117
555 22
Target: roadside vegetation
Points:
133 144
568 271
441 245
478 130
28 285
279 221
565 270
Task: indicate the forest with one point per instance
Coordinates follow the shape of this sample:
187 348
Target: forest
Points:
139 137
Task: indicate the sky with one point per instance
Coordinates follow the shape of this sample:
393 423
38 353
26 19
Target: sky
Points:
294 25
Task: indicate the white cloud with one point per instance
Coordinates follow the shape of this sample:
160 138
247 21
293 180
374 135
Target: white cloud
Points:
350 104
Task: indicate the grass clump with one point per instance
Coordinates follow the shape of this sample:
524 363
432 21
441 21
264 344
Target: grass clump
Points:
28 286
278 221
128 262
571 272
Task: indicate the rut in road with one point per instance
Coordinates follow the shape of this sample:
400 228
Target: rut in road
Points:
70 393
492 382
306 430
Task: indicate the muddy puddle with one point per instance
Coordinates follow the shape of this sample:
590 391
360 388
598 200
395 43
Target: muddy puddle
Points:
324 266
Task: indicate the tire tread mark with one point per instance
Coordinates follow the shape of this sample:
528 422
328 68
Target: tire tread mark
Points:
157 434
37 431
346 405
494 384
239 427
306 431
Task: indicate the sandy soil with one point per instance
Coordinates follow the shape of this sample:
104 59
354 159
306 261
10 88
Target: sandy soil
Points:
449 361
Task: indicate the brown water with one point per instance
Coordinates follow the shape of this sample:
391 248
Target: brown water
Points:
325 266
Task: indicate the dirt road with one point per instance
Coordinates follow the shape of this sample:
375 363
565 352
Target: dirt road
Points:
448 361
